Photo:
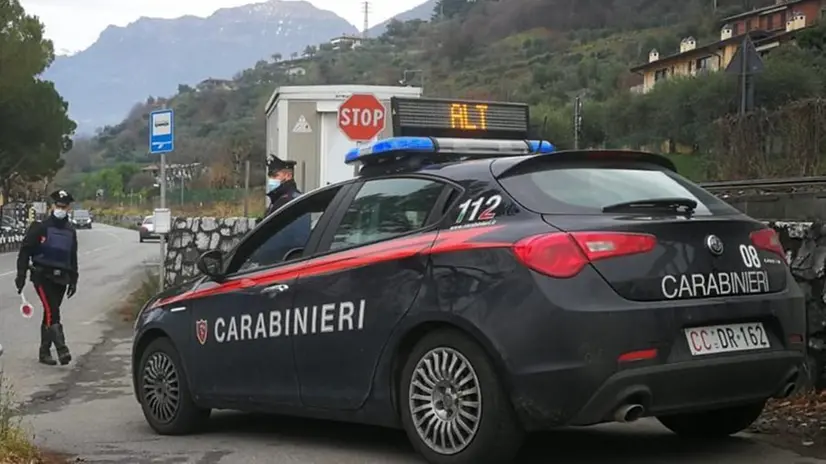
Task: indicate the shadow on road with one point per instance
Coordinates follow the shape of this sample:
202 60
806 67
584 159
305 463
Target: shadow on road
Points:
567 446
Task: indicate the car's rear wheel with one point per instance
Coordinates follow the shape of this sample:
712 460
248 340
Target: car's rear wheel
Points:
454 407
719 423
164 391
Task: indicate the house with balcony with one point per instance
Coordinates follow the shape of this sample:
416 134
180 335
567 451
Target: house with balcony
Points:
768 28
346 42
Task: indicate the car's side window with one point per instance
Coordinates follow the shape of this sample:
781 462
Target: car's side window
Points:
386 208
284 237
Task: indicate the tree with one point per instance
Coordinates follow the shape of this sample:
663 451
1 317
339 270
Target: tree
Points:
450 8
34 127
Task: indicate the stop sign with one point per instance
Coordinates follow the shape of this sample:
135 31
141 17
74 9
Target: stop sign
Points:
361 117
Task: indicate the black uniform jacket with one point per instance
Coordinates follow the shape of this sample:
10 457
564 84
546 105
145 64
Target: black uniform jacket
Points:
279 197
36 235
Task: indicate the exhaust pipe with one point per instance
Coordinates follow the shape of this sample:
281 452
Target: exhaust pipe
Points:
787 390
789 387
629 413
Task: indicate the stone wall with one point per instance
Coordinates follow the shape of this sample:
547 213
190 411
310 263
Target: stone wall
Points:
190 237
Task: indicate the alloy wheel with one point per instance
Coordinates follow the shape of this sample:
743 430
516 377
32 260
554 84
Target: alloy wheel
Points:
445 400
161 387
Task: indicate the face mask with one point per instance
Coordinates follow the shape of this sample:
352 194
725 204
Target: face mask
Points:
59 213
272 184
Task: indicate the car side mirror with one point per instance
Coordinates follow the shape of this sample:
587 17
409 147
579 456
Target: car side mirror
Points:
211 264
295 253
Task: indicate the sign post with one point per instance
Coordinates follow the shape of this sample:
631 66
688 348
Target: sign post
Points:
362 117
161 142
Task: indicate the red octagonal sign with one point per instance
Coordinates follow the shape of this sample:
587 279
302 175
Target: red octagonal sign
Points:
361 117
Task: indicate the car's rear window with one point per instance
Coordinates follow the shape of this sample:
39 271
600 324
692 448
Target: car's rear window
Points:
586 188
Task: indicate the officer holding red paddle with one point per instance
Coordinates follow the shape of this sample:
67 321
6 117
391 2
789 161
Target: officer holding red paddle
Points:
49 250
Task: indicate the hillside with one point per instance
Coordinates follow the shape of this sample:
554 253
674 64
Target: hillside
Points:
543 52
422 12
153 56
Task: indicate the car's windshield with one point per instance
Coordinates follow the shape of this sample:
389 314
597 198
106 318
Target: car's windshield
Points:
81 214
148 220
587 188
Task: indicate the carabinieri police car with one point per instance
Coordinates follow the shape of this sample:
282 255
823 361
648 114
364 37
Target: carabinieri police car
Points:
470 286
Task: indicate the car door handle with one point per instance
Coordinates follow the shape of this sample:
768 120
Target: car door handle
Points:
275 289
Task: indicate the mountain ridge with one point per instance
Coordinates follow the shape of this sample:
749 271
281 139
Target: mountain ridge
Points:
423 11
153 56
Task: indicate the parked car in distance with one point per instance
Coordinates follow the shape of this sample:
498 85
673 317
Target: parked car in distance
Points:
81 219
147 229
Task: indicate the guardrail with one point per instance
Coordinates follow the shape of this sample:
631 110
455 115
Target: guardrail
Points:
767 184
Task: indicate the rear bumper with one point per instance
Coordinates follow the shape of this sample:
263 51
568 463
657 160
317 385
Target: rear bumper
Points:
660 388
149 235
562 363
693 386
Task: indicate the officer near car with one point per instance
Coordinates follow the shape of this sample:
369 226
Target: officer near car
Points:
49 252
282 189
281 186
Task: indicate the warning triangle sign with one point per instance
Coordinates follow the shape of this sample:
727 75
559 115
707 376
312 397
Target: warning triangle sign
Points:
302 126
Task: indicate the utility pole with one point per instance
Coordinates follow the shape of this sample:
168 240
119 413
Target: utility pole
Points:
744 68
577 121
246 188
366 10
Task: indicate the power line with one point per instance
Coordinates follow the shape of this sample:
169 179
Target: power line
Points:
366 6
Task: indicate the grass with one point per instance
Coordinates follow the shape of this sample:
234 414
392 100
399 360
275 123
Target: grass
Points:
148 287
16 445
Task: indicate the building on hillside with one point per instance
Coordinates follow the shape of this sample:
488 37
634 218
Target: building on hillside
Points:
175 172
215 84
346 41
295 71
768 27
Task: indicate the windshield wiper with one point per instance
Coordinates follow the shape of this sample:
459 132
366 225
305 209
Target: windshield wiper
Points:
683 205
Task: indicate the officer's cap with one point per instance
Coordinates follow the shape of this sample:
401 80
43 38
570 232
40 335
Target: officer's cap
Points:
275 164
61 197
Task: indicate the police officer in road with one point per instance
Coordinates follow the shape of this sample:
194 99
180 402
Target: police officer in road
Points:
281 187
49 250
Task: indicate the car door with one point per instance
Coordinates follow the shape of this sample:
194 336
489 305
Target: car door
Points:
242 328
374 273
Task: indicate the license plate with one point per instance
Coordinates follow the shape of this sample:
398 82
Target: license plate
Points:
726 338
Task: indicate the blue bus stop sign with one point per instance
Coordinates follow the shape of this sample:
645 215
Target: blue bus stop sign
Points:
161 132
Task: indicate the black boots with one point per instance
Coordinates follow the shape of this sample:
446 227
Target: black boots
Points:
49 335
59 339
46 346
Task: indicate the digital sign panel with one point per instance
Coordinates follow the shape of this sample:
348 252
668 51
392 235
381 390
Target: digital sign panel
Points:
459 118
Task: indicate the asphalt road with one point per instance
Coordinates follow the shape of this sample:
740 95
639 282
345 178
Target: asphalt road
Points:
88 409
108 258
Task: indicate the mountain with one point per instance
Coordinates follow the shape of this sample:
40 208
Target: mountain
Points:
153 56
423 12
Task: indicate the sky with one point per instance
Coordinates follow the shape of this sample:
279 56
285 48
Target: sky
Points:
74 25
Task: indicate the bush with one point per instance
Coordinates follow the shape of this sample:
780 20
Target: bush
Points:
15 444
148 287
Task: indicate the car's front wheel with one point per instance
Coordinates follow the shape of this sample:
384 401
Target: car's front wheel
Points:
719 423
164 391
453 405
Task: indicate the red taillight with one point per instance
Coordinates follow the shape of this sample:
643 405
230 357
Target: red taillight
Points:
563 255
767 239
642 355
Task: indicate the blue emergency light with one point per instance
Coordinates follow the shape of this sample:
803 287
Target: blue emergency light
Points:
393 147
